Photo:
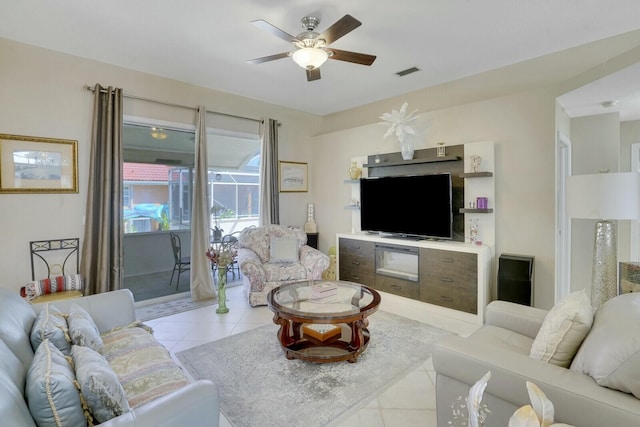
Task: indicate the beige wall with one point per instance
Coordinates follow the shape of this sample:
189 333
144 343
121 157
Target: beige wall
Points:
595 145
42 95
522 127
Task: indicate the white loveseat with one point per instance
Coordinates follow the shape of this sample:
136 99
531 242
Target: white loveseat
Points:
587 393
192 404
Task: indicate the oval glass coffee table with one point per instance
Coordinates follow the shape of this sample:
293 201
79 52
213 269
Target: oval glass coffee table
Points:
323 321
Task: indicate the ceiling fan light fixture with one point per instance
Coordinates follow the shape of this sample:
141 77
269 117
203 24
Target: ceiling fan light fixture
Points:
310 58
158 133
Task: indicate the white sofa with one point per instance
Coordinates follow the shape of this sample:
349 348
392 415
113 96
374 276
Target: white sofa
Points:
503 344
194 404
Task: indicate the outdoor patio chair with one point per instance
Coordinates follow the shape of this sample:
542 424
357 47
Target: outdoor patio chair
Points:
181 263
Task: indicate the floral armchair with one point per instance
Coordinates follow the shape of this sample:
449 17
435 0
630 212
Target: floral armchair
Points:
273 255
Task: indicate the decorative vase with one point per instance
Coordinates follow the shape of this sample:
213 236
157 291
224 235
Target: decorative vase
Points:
310 225
355 171
222 290
406 148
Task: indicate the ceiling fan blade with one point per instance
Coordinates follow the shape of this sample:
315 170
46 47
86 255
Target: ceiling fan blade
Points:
343 26
264 25
358 58
269 58
313 74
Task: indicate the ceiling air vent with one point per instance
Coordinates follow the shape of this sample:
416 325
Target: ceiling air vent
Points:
407 71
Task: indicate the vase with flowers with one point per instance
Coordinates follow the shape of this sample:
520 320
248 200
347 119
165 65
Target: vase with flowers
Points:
222 257
402 126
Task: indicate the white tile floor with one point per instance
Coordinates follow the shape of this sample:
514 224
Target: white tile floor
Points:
409 402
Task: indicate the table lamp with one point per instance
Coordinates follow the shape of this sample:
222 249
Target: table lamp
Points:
606 197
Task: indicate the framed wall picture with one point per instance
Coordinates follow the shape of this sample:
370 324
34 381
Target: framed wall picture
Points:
293 176
31 164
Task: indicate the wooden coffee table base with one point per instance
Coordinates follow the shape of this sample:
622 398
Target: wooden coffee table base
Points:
297 345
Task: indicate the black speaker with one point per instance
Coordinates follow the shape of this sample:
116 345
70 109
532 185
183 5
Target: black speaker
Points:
515 278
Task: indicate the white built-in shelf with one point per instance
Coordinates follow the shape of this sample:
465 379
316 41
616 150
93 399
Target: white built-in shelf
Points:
414 161
465 210
351 181
476 174
353 207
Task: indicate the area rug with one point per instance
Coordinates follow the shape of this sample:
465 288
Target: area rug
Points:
258 386
179 304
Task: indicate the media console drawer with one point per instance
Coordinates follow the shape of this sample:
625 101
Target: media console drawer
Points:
449 279
356 261
404 288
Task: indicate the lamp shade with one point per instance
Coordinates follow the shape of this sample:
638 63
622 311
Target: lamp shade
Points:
614 196
310 58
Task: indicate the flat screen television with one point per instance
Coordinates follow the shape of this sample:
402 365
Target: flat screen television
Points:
408 206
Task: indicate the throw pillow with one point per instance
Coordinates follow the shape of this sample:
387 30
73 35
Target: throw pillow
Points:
146 369
82 328
51 392
610 354
72 282
51 324
563 330
283 249
17 321
99 385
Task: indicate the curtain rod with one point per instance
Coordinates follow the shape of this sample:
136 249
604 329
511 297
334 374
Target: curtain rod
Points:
170 104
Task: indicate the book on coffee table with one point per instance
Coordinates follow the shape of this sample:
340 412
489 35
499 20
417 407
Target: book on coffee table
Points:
323 290
322 332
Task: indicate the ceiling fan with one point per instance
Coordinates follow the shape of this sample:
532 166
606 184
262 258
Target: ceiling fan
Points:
312 48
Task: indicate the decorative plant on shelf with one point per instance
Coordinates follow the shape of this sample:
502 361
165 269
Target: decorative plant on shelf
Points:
402 126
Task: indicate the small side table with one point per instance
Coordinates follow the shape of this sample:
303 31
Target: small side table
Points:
312 240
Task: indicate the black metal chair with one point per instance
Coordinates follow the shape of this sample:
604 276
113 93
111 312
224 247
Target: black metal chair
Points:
181 264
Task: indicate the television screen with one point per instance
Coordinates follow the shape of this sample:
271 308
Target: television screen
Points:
409 205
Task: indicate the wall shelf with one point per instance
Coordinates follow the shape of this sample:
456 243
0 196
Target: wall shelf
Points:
351 181
352 207
476 174
413 161
465 210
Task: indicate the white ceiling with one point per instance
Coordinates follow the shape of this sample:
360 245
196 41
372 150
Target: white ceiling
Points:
621 89
207 43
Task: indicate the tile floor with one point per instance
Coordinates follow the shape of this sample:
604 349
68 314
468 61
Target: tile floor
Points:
410 402
155 285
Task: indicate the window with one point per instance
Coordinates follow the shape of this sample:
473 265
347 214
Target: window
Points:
126 196
158 178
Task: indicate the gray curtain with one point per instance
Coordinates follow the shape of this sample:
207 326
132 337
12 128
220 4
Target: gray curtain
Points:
102 255
269 197
201 278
